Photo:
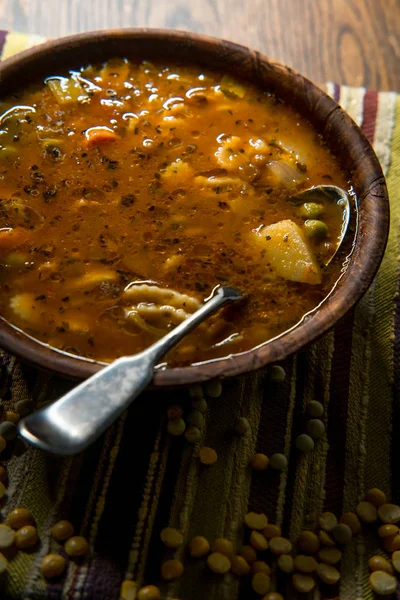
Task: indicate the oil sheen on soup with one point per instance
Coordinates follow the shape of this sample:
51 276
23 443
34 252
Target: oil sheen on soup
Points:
128 191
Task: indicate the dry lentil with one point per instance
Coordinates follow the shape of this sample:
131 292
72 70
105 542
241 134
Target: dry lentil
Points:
315 408
196 419
128 590
272 530
327 521
280 545
176 426
11 416
261 583
7 536
379 563
308 542
273 596
171 537
389 513
286 563
305 564
383 583
367 512
171 569
8 430
3 564
387 530
199 547
391 543
26 537
315 428
330 556
196 391
223 546
53 565
192 434
149 592
279 462
260 462
3 443
260 566
24 407
276 373
248 554
396 560
328 574
342 534
258 541
174 411
214 389
242 426
207 456
351 520
256 520
305 443
62 530
239 566
218 563
303 583
200 405
3 490
3 473
76 546
376 497
325 538
19 517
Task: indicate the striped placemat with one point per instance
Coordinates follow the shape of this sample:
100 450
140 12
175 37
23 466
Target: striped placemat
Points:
137 479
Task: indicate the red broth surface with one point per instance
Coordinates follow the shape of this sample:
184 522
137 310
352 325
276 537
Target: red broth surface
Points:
129 191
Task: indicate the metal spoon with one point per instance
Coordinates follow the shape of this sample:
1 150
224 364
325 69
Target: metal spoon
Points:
77 419
332 193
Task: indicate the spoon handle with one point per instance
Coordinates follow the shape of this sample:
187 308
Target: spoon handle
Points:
74 421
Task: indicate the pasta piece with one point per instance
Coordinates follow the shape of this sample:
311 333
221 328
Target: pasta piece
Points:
152 310
65 90
24 306
157 295
91 279
12 238
286 250
177 172
229 154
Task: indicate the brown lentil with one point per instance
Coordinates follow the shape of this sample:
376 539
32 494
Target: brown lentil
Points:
3 443
171 537
218 563
387 530
199 547
305 564
342 534
256 521
303 583
325 538
12 416
383 583
8 430
379 563
330 556
308 542
261 583
62 530
389 513
19 517
327 521
76 546
273 596
128 590
149 592
174 411
3 473
3 564
239 566
7 536
242 426
248 553
260 566
53 565
396 560
272 530
207 456
258 541
367 512
351 520
171 569
391 543
3 490
26 537
223 546
280 545
196 392
328 574
285 563
376 497
260 462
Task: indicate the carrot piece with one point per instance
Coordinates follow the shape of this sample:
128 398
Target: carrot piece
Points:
12 238
97 136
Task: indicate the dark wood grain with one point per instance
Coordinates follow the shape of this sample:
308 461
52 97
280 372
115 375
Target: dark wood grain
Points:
354 42
342 136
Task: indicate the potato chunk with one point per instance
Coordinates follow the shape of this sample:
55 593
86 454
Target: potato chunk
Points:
288 252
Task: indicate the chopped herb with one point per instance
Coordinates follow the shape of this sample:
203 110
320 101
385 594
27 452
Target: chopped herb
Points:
41 297
128 200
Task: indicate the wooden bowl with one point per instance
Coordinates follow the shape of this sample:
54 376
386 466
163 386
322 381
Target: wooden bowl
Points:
343 137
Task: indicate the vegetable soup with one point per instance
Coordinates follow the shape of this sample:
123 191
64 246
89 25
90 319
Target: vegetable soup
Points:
128 191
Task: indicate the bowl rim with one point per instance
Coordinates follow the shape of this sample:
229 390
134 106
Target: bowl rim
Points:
374 199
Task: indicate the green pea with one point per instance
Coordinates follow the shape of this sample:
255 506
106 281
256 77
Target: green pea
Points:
200 405
311 210
316 230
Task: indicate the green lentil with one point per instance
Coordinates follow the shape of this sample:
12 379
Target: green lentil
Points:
196 391
192 434
196 419
305 443
278 462
316 428
176 426
315 408
276 373
242 426
214 389
200 405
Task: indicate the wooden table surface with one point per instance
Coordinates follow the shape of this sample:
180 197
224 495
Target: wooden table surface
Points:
354 42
